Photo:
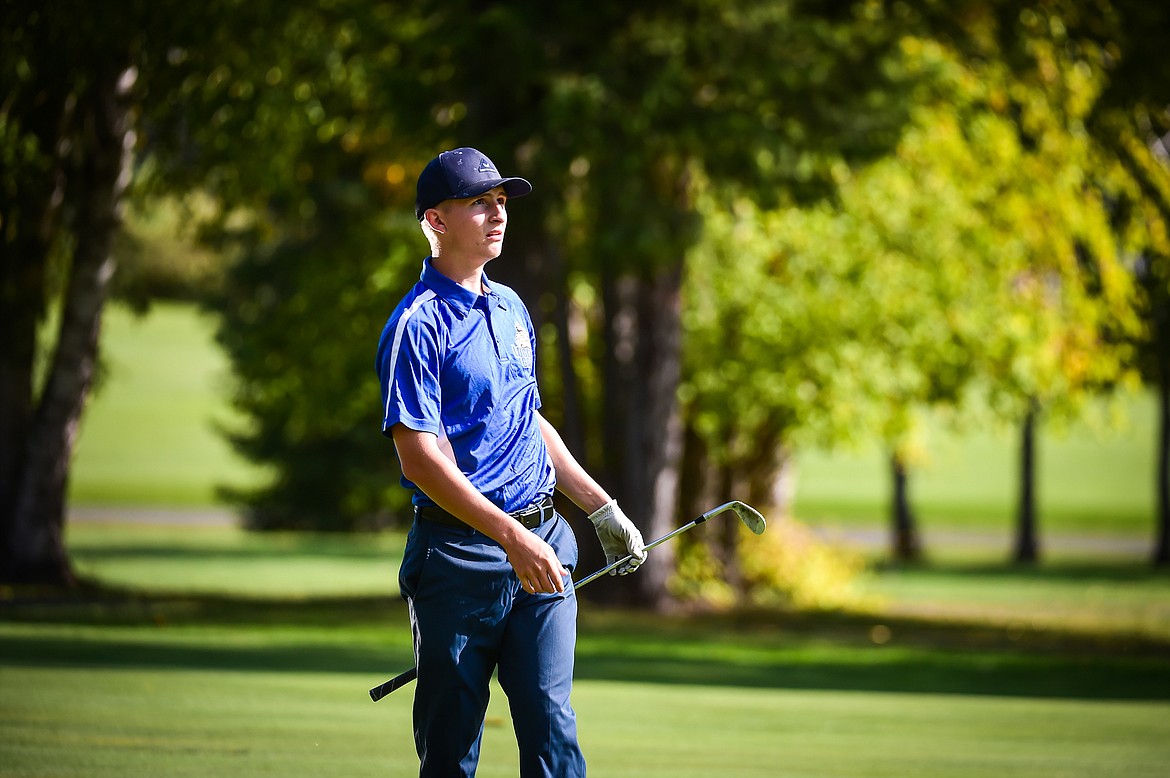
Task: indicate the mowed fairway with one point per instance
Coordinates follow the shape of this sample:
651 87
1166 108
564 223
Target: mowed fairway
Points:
227 724
209 651
205 690
163 677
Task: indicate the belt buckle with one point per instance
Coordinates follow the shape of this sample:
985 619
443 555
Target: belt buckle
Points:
537 510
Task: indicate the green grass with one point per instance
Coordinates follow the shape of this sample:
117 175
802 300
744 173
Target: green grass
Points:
1102 595
168 558
148 435
184 722
1082 597
209 651
207 686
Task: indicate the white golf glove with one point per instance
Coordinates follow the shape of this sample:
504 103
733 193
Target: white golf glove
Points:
619 537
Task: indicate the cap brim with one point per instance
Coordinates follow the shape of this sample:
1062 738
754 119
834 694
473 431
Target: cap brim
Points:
513 187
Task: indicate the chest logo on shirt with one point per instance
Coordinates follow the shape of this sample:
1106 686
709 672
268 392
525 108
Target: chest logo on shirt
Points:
523 346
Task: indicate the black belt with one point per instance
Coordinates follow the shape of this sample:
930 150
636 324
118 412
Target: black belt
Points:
531 517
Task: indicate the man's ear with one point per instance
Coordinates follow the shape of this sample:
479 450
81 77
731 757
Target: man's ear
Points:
435 219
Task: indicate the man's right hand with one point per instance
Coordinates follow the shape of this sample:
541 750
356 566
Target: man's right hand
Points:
535 563
436 474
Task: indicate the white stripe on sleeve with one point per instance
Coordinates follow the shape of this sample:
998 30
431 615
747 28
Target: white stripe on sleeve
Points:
394 348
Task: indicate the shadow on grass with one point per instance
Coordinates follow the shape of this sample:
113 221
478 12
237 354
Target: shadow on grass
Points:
902 671
766 650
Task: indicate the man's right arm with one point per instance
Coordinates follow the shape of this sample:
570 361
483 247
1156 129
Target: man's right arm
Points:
432 471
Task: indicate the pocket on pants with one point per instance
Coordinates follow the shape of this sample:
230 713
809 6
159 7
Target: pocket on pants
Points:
466 577
414 558
564 543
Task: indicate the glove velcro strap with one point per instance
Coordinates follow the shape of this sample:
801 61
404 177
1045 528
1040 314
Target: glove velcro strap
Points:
603 513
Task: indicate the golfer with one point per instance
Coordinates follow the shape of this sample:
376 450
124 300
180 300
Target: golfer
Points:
486 567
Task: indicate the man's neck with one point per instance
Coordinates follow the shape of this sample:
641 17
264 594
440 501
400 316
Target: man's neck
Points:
468 274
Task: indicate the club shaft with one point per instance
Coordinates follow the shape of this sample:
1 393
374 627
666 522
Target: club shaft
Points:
400 680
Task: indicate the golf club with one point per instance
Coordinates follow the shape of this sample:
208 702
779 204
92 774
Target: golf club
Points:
750 517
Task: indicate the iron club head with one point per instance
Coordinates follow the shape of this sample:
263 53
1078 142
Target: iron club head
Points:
750 517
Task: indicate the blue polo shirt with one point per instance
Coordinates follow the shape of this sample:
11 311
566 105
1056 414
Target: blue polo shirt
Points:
461 365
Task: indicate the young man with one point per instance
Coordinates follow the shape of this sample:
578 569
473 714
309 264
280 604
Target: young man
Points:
487 561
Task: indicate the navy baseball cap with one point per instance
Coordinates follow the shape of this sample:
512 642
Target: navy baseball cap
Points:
459 174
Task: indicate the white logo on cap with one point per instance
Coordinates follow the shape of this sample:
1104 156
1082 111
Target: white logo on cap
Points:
485 167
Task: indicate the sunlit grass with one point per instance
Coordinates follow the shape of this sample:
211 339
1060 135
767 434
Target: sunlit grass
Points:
202 688
1093 475
200 722
1089 598
149 434
232 653
225 559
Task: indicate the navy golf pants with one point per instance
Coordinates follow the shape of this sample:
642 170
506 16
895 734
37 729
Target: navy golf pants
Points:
469 616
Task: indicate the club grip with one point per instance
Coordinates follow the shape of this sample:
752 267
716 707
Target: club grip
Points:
378 692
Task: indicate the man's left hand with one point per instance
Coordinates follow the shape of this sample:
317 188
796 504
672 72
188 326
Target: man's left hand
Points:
619 537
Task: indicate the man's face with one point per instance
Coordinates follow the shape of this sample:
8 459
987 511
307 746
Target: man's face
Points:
474 228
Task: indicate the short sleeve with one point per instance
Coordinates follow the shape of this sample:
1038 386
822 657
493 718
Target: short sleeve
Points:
409 364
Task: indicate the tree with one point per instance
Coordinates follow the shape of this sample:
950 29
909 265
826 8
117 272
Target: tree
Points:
1097 70
76 81
1130 125
308 139
66 131
756 98
966 262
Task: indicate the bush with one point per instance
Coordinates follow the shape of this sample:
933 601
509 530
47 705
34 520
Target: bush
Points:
787 566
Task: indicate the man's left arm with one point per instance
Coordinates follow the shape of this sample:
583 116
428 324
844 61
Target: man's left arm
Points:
618 535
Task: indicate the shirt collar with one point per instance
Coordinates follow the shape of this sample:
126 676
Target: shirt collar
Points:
462 300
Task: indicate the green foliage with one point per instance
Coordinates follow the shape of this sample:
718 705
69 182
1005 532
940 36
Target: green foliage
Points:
787 567
793 567
159 257
290 120
978 257
299 320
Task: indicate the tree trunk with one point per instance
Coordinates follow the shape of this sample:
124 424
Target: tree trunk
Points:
31 214
657 419
767 482
906 544
1162 543
535 268
643 427
698 487
573 414
1026 546
771 474
34 543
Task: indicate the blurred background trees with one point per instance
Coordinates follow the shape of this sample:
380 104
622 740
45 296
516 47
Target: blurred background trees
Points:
756 227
